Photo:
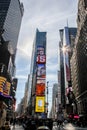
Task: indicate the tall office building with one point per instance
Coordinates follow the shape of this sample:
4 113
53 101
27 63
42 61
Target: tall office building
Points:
79 69
11 12
54 101
38 74
67 36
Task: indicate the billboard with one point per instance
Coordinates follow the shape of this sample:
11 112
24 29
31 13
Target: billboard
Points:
2 83
41 59
4 86
41 71
40 102
40 89
6 89
40 79
40 50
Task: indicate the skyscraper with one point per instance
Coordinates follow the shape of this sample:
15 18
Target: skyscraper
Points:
38 73
11 12
67 36
79 68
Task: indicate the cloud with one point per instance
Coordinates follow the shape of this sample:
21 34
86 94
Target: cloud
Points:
49 16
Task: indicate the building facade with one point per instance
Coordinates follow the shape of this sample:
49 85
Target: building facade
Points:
54 101
79 74
11 12
67 36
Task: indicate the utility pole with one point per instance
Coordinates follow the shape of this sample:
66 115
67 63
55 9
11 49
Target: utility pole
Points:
47 97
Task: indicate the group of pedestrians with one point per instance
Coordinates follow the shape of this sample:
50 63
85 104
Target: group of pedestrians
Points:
2 114
34 123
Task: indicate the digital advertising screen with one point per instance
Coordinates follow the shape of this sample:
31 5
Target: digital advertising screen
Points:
2 83
40 102
41 70
40 89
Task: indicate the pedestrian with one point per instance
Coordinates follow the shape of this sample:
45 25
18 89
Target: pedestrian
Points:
2 114
14 122
60 118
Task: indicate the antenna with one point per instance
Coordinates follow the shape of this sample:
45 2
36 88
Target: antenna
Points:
67 22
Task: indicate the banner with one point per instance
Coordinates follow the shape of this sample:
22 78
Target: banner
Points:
40 89
6 89
40 103
2 84
41 71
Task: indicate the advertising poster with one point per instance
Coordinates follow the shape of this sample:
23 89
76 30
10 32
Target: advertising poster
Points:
2 83
41 59
41 71
41 80
40 89
40 104
6 89
40 50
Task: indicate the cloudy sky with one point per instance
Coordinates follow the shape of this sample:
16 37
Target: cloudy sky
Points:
49 16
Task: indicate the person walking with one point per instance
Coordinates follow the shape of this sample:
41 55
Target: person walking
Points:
60 119
2 114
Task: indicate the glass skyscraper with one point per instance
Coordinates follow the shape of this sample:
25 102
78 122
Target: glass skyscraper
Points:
11 12
67 36
38 71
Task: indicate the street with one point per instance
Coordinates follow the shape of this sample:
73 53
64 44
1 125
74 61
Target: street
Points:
69 126
66 127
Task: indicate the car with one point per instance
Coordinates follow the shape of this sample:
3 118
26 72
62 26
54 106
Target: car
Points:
43 128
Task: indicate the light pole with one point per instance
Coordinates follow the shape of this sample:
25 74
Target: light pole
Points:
47 97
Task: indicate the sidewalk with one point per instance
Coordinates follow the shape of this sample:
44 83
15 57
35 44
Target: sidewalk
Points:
17 127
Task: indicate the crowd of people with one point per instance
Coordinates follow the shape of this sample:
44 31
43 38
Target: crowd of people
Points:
33 123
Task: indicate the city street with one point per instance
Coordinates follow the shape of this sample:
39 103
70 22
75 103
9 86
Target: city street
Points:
66 127
69 126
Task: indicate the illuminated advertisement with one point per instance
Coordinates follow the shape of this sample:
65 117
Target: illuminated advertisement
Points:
40 50
41 71
41 59
41 80
40 104
6 89
2 83
40 89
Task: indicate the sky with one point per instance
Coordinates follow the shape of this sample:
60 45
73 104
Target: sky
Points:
48 16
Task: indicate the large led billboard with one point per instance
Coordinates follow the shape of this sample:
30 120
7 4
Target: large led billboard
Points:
2 83
4 86
40 89
6 89
40 102
41 71
40 79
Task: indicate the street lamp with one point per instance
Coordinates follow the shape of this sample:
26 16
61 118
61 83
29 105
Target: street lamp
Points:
47 96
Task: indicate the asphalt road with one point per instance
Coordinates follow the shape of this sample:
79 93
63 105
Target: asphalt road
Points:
69 126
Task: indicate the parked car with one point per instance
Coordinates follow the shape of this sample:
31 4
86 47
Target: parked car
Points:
43 128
